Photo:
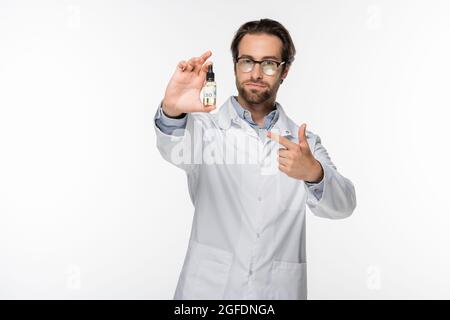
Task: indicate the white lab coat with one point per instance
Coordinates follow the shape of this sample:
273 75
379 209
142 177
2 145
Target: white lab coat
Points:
248 233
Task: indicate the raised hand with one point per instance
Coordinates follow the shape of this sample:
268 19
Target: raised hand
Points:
183 91
297 160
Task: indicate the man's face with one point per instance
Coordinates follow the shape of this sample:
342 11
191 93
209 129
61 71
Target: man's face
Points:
259 47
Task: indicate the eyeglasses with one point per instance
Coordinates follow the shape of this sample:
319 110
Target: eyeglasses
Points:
269 67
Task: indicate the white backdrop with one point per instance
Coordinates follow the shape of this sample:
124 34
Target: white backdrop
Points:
89 209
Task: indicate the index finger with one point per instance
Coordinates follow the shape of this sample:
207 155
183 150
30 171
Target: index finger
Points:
205 56
281 140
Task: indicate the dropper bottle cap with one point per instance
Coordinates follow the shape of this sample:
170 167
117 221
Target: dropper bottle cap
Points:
210 74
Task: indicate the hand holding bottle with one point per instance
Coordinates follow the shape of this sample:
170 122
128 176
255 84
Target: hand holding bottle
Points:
183 91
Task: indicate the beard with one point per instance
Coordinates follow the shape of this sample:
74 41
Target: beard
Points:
254 95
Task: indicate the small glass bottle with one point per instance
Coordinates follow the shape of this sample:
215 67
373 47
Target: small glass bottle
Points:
209 90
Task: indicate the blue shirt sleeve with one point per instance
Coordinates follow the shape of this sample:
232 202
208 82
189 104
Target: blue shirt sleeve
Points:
316 188
167 124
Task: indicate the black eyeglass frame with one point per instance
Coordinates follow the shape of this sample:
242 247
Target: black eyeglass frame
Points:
278 63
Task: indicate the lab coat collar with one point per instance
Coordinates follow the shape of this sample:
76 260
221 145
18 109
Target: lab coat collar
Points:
228 115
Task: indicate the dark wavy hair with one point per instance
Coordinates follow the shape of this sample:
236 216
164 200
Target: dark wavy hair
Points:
267 26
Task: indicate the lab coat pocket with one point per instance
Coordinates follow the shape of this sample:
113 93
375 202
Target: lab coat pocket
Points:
288 280
207 272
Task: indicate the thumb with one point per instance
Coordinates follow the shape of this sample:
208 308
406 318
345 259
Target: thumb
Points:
205 66
302 133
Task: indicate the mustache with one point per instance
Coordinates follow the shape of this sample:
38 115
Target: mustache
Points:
256 82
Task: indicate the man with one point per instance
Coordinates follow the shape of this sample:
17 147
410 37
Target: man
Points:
248 234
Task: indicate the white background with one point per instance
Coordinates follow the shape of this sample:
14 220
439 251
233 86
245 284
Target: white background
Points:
88 207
